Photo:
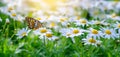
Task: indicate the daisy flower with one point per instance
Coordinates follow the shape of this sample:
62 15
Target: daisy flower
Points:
42 18
13 14
91 41
7 20
49 36
97 22
109 33
70 33
20 18
96 13
65 32
10 8
41 31
81 22
63 21
76 32
23 32
94 33
117 25
114 16
7 10
52 24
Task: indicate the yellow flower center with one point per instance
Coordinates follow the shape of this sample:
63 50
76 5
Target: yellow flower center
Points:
38 18
23 34
75 31
97 22
96 12
118 25
43 30
52 24
94 31
91 40
13 14
83 21
107 31
63 19
10 8
78 17
68 34
108 24
48 35
114 15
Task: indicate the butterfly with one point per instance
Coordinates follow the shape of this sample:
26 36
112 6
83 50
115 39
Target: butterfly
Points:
33 23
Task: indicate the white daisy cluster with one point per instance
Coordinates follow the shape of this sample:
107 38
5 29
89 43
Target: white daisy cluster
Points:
69 18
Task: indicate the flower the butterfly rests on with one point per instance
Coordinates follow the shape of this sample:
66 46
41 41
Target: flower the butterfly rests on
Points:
33 23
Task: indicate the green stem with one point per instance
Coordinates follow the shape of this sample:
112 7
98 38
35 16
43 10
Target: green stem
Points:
14 24
7 31
4 27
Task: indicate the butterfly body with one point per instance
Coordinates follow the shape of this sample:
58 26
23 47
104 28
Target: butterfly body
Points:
33 23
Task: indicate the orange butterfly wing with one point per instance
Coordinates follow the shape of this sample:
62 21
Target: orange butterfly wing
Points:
32 23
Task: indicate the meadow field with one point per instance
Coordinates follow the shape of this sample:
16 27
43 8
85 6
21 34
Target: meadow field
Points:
59 28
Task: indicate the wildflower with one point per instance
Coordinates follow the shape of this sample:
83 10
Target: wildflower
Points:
49 36
53 25
20 18
42 19
63 21
23 32
114 16
7 20
70 33
10 8
91 41
65 32
81 22
96 13
117 25
95 33
13 14
41 31
76 32
97 22
109 33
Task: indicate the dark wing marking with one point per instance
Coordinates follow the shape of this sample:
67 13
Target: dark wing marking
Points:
32 23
